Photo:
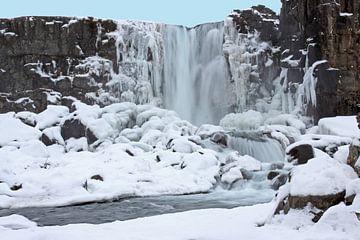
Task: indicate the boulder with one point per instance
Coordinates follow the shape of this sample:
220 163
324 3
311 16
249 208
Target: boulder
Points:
300 154
97 177
278 181
219 138
73 128
320 202
16 187
46 140
273 174
354 154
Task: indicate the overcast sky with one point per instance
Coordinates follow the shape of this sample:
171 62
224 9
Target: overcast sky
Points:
182 12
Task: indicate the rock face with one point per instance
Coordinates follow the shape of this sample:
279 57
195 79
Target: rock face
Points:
78 57
305 61
46 52
251 49
317 30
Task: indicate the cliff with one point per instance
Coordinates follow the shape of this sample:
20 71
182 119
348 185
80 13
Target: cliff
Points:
46 53
317 30
304 62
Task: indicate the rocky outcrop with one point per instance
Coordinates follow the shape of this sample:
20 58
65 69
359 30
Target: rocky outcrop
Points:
47 52
251 49
317 30
79 57
353 158
321 203
74 128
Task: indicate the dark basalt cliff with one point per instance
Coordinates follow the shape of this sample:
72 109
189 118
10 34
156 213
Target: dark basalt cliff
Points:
318 37
314 30
56 46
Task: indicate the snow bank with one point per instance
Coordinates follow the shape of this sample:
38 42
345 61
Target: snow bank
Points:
217 224
345 126
13 129
16 222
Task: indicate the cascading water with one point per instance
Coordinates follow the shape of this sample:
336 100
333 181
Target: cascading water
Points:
195 72
265 150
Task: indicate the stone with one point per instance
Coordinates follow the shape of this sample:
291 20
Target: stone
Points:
318 29
272 174
90 136
320 202
247 175
278 181
300 154
56 50
354 154
16 187
67 102
73 128
350 199
97 177
219 138
46 140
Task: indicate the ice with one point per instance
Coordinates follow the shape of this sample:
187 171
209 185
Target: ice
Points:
250 120
310 83
194 65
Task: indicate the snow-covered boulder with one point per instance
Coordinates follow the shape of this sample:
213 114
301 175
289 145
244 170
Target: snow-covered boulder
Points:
237 168
14 130
321 183
345 126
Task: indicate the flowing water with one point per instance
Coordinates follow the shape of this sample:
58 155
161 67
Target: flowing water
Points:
194 83
195 72
265 150
139 207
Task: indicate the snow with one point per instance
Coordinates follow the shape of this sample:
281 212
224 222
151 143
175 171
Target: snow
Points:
345 126
16 222
164 159
320 176
51 116
342 154
321 141
250 120
206 224
345 14
13 129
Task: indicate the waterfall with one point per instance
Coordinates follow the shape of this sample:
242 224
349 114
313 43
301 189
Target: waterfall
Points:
263 149
195 72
